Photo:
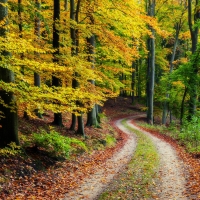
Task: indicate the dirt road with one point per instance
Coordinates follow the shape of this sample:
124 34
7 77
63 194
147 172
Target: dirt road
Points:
172 181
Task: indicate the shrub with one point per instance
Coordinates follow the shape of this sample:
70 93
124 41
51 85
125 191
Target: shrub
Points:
11 150
110 140
190 133
56 144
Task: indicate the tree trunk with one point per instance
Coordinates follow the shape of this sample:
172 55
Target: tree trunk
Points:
91 116
182 106
138 77
37 80
166 105
133 81
73 124
20 25
74 51
151 68
56 81
80 130
192 89
37 33
9 123
66 5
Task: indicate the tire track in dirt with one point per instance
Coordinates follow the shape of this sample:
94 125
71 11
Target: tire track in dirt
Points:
171 170
172 181
97 182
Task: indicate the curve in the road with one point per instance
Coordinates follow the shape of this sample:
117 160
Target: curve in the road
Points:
171 171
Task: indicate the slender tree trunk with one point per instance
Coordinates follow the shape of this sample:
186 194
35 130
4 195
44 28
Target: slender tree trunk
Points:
37 33
66 5
20 25
133 81
37 81
9 123
138 75
182 106
192 90
166 104
56 81
148 78
151 67
74 51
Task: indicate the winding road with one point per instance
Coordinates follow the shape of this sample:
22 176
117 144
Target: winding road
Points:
171 169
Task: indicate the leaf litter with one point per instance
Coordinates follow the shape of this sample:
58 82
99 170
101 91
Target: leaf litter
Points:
51 179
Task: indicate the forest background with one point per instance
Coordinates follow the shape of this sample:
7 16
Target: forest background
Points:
61 60
71 56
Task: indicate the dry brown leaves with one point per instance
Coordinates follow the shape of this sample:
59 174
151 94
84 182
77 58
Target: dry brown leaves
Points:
192 162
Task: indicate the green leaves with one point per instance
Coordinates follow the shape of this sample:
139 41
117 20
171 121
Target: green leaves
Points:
11 150
56 144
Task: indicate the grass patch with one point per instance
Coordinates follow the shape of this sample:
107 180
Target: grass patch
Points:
188 135
137 181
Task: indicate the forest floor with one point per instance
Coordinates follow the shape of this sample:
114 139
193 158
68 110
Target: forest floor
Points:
38 176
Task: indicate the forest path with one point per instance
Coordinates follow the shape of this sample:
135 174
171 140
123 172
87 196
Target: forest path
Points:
171 171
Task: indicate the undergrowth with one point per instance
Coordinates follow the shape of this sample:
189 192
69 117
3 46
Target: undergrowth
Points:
136 181
188 135
56 144
11 150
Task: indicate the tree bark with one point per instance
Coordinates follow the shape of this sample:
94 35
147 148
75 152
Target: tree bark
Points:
151 67
166 104
66 5
37 80
192 89
80 129
37 33
74 15
56 81
91 116
9 123
182 106
133 81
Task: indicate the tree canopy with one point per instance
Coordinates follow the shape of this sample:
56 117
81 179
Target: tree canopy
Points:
121 30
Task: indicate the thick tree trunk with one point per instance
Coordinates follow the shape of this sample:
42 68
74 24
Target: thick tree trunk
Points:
56 81
80 129
9 123
91 116
73 124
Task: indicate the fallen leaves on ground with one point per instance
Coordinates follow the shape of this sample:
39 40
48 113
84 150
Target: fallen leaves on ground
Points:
50 179
192 163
